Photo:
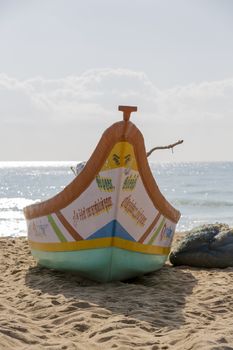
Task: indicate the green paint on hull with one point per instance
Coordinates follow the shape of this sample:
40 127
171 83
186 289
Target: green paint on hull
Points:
157 232
56 229
103 264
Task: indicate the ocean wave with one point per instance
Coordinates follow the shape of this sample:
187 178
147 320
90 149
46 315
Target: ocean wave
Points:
203 203
15 204
13 228
36 164
11 215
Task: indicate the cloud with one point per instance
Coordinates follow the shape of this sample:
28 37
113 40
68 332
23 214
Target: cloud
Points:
96 94
204 102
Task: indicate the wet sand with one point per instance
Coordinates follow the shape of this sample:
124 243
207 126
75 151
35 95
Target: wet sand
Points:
174 308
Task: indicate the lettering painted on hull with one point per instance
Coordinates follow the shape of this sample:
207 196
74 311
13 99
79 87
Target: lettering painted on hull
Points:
130 182
99 207
129 205
39 230
166 234
104 183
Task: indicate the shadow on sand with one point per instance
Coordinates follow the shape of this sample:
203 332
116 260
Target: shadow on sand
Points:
157 298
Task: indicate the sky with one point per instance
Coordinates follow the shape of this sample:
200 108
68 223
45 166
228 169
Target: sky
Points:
66 65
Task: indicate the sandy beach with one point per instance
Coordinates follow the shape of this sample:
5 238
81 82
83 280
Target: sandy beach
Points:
174 308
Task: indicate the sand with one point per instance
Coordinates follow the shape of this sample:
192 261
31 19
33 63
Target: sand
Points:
174 308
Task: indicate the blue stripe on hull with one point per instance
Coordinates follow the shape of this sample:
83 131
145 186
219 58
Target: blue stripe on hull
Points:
103 264
112 229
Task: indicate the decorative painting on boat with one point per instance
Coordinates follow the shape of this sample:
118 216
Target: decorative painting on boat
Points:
113 203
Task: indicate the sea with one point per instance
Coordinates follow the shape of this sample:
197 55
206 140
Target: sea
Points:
201 191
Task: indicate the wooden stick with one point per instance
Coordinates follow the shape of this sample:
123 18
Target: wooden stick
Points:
164 147
147 154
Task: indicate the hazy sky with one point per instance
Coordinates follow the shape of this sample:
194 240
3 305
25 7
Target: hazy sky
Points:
65 66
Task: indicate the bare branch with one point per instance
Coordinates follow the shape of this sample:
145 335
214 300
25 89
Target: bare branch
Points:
164 147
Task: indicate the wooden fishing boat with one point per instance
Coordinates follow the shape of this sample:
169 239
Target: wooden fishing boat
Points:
111 222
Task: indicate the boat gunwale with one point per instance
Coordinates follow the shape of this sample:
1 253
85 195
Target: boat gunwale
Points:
119 132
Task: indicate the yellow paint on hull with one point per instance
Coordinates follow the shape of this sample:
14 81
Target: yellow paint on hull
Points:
121 156
100 243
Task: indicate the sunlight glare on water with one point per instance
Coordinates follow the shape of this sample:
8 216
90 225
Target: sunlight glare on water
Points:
203 192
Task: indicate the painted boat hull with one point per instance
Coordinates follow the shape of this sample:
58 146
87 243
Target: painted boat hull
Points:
111 222
103 264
